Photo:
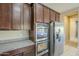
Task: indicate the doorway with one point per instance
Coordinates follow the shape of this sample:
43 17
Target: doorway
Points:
72 31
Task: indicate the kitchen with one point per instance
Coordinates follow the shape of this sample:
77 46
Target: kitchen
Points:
30 29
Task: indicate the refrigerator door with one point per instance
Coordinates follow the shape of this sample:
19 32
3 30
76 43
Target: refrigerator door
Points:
51 42
59 38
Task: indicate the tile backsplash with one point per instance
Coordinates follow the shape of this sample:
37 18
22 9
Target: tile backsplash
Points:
9 35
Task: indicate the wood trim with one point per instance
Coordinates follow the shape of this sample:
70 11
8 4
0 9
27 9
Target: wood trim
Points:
43 14
12 16
49 16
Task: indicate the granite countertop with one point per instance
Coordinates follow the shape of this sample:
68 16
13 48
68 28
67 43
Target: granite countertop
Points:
4 47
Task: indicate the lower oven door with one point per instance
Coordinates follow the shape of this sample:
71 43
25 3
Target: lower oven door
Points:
42 47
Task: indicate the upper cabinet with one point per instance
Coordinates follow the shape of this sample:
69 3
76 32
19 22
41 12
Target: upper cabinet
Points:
52 16
20 16
46 15
38 12
17 16
57 16
41 13
5 16
27 16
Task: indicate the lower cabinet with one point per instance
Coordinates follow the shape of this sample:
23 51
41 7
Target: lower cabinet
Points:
26 51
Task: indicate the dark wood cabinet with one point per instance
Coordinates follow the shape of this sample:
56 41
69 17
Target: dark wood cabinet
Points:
52 16
46 15
26 51
27 16
38 12
17 14
5 16
20 16
57 16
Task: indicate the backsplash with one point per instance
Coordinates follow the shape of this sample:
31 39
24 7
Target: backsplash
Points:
9 35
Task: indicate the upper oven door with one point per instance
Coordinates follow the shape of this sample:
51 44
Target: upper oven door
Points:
41 31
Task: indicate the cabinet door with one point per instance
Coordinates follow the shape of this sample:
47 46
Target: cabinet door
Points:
39 12
27 16
46 15
17 14
52 15
5 16
57 17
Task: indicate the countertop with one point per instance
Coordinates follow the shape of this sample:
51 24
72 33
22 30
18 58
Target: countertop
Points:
4 47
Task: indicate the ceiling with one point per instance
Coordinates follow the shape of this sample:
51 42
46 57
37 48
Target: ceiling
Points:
61 7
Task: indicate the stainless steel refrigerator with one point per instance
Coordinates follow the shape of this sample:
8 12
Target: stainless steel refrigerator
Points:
56 42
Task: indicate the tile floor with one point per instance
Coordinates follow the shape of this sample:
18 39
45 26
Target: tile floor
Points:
70 51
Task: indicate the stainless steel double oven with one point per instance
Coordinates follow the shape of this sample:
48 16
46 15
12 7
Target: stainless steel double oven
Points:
41 38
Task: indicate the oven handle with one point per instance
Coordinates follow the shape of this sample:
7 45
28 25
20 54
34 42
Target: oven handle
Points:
42 42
